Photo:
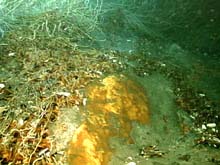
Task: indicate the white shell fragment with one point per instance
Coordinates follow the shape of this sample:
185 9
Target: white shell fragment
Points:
203 126
131 163
43 151
130 51
2 86
66 94
84 101
99 72
11 54
20 122
163 65
211 125
213 130
202 95
216 139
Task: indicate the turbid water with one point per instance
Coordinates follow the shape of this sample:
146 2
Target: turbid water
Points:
103 82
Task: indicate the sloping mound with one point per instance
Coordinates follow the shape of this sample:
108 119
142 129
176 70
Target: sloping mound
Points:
112 106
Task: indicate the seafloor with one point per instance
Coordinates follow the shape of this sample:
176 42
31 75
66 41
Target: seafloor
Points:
61 103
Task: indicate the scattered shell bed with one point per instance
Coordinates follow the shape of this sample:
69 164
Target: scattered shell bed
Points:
35 86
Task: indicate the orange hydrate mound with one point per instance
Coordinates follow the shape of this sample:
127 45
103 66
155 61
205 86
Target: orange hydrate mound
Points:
86 149
112 106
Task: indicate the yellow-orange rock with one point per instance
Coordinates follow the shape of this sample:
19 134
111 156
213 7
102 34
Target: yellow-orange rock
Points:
112 106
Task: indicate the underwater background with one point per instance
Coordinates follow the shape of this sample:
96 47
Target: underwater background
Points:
120 82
